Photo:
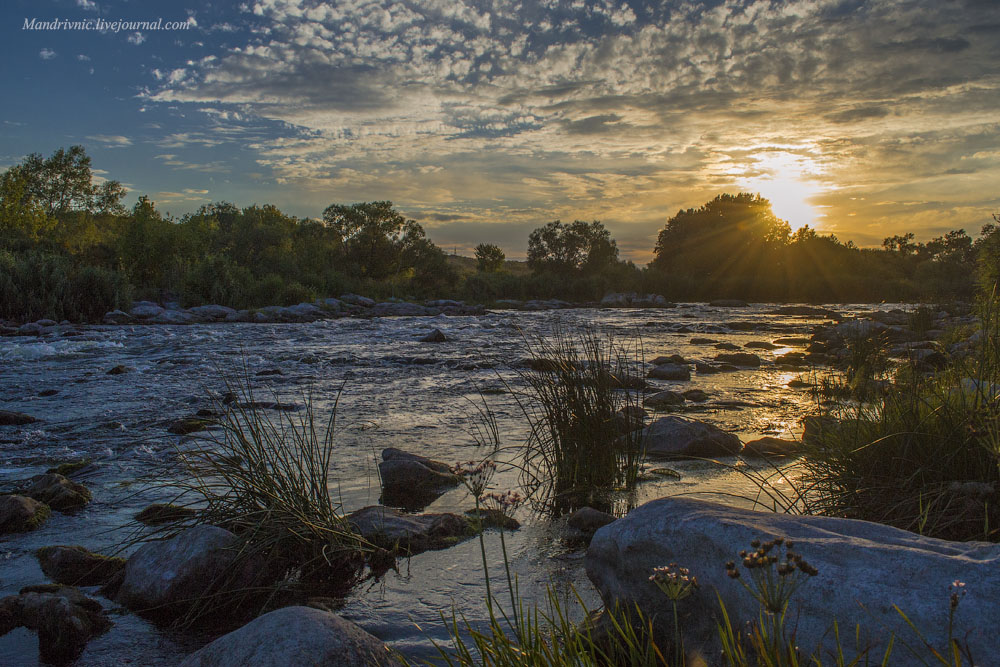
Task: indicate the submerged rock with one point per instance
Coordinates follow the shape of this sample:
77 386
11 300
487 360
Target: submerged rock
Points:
739 359
187 425
413 481
399 309
78 566
664 399
63 618
58 492
120 369
20 514
670 437
401 533
588 520
435 336
160 513
295 636
670 372
864 569
771 447
8 418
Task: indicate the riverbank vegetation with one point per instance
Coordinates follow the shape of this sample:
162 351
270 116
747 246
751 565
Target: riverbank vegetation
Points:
58 216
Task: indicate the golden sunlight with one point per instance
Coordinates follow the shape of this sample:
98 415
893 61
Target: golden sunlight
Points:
781 178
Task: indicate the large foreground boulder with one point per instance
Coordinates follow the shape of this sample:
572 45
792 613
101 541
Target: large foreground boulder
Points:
162 578
864 569
295 636
677 437
402 533
412 481
63 617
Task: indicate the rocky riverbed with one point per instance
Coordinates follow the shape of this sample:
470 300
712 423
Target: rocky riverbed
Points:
123 396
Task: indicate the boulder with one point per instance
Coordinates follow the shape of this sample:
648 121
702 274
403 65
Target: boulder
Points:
399 309
760 345
145 309
413 481
695 395
670 372
740 359
617 299
295 636
120 369
677 437
702 341
57 492
8 418
187 425
77 566
162 578
705 368
173 317
668 359
330 304
401 533
664 399
356 300
864 569
768 446
211 312
30 329
117 317
63 618
435 336
306 312
727 346
19 514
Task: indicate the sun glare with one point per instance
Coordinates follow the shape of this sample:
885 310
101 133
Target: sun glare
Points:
782 181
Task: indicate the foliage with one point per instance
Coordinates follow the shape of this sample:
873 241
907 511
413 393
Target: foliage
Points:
581 400
489 257
576 248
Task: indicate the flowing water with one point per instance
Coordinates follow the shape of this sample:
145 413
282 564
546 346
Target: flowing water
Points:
396 392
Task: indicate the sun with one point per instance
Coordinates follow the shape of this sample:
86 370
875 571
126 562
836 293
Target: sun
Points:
781 178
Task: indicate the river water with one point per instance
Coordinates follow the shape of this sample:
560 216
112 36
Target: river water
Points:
397 392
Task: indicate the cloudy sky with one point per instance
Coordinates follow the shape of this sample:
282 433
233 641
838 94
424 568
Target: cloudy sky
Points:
484 119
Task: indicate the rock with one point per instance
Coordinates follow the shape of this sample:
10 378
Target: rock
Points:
307 312
727 303
706 368
857 328
8 418
45 393
672 437
331 304
670 372
630 418
70 468
58 492
488 517
29 329
269 371
173 317
163 577
864 569
401 533
664 399
63 618
295 636
588 520
791 359
160 513
760 345
617 299
436 336
739 359
792 340
77 566
211 312
398 309
117 317
702 341
145 309
671 359
19 514
356 300
413 481
727 346
187 425
742 326
695 395
768 447
118 370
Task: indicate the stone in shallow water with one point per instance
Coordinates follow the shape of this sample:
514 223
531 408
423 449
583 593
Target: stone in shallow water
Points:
20 514
77 566
739 359
295 636
435 336
393 530
8 418
771 447
63 617
677 437
412 481
58 492
670 372
864 569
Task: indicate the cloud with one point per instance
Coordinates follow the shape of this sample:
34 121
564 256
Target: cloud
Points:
112 141
47 54
88 5
136 38
606 109
83 58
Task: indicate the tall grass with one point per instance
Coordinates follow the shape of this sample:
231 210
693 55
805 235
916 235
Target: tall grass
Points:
266 479
581 399
924 455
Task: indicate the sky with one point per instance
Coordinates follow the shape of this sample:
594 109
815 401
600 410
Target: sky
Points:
485 119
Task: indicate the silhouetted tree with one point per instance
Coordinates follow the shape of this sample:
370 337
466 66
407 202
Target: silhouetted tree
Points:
489 257
576 247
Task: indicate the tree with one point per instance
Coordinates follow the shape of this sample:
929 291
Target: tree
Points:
375 236
21 217
578 247
63 183
490 258
901 243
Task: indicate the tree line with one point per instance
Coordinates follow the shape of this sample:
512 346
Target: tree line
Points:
70 249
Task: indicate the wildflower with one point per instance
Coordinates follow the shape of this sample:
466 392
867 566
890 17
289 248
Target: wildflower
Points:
675 582
506 503
772 592
475 476
957 592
